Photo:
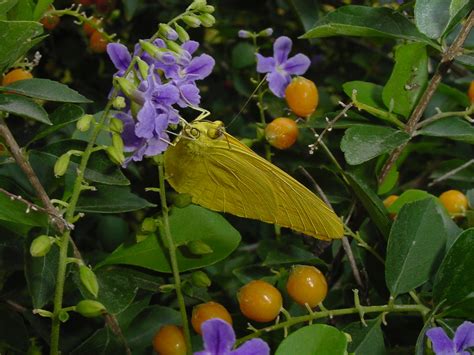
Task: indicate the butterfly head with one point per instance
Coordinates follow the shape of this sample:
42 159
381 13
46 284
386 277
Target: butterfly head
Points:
205 130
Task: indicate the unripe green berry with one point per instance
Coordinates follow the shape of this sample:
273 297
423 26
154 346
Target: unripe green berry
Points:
90 308
198 247
89 280
84 123
200 279
61 165
40 246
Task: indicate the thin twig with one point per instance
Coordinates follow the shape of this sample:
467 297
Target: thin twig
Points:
345 243
451 173
440 115
113 324
446 62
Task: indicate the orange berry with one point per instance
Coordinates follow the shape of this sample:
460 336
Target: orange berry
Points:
470 93
205 311
169 340
307 285
16 75
50 22
454 201
260 301
88 29
302 96
390 200
282 132
97 42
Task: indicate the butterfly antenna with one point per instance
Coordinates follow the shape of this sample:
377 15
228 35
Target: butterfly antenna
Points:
248 100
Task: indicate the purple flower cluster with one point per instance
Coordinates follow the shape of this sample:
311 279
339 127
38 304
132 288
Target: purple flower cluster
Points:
463 340
165 80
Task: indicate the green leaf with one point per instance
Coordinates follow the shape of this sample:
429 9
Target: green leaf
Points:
406 197
5 6
140 333
45 89
368 97
23 11
371 202
23 107
102 342
366 339
314 339
362 143
446 99
389 182
62 117
111 199
130 8
100 169
40 8
41 276
17 212
187 224
364 21
408 79
243 55
307 11
454 128
432 17
16 38
416 243
454 282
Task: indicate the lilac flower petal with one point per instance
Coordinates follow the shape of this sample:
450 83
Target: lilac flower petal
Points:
190 94
190 46
464 337
159 43
265 64
277 82
146 121
201 66
130 140
297 65
218 336
441 342
167 94
252 347
119 55
281 49
156 146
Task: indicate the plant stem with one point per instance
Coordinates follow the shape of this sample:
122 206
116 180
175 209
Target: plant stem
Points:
169 242
440 115
389 308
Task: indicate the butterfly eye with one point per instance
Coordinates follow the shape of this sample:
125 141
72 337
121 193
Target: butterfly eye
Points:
216 132
194 132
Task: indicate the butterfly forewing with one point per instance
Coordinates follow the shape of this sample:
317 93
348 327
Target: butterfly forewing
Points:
224 175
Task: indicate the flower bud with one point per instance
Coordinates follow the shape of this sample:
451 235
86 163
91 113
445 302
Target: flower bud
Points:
117 142
40 246
119 103
115 156
198 247
174 47
207 20
61 165
63 316
43 313
148 225
90 308
267 32
244 34
84 123
196 4
89 280
182 200
208 8
168 32
200 279
191 21
167 288
127 87
116 125
142 67
182 33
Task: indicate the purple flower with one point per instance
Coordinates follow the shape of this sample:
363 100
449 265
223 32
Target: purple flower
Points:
139 146
443 345
120 56
219 339
244 34
280 67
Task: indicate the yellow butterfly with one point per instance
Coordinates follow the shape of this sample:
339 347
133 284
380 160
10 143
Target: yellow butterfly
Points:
222 174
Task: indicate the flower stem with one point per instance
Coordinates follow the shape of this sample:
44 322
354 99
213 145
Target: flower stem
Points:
389 308
166 233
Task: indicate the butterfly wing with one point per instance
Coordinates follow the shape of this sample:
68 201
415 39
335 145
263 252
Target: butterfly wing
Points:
225 175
